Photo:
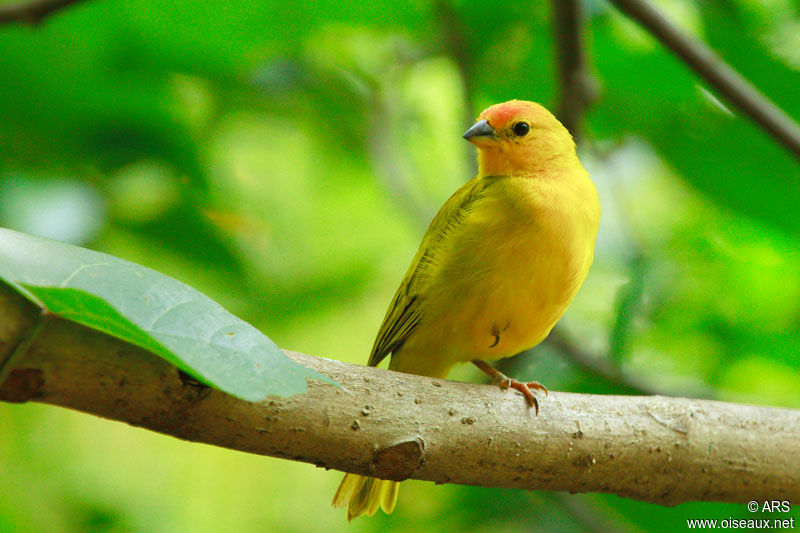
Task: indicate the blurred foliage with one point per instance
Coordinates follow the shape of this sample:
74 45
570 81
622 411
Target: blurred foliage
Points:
285 157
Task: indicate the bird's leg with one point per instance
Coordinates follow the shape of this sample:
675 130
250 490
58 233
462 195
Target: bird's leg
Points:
498 378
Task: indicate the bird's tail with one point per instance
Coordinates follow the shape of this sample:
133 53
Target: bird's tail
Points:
364 495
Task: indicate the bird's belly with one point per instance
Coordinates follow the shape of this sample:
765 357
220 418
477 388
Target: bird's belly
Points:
520 315
519 293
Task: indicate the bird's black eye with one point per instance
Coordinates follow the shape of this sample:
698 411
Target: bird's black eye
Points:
521 129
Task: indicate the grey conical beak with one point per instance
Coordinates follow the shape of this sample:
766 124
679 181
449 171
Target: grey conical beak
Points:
480 129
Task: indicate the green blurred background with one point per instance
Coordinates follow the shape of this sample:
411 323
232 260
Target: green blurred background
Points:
285 158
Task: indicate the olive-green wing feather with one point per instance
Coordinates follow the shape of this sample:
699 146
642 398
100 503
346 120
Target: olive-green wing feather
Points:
405 311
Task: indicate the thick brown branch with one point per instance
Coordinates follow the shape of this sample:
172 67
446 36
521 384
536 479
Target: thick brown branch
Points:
32 12
392 425
717 73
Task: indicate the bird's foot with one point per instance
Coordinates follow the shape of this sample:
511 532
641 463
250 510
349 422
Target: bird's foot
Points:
504 382
525 389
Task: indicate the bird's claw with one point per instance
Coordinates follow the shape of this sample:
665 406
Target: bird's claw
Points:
525 389
505 382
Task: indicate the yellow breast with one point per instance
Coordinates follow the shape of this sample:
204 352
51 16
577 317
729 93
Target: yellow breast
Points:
515 265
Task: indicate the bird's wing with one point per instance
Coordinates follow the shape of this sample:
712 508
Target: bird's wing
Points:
404 313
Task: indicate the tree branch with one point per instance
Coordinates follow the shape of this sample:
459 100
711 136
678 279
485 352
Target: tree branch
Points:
32 12
717 73
604 368
451 28
578 89
399 426
601 367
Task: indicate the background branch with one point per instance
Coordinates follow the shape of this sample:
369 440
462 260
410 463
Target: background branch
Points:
32 12
398 426
455 41
604 368
717 73
578 89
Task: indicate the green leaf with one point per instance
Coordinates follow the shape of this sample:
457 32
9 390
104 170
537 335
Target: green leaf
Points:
153 311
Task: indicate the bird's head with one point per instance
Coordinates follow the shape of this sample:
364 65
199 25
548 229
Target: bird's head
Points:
520 138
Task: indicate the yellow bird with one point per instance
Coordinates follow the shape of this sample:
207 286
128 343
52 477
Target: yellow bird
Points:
497 268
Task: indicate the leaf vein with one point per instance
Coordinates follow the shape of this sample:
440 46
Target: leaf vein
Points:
77 270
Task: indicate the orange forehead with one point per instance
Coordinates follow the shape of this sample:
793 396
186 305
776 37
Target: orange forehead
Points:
499 115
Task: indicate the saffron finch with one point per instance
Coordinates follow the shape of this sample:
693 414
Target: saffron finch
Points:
498 266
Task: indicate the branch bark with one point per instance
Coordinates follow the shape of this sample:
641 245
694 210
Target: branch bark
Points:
32 12
399 426
730 84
